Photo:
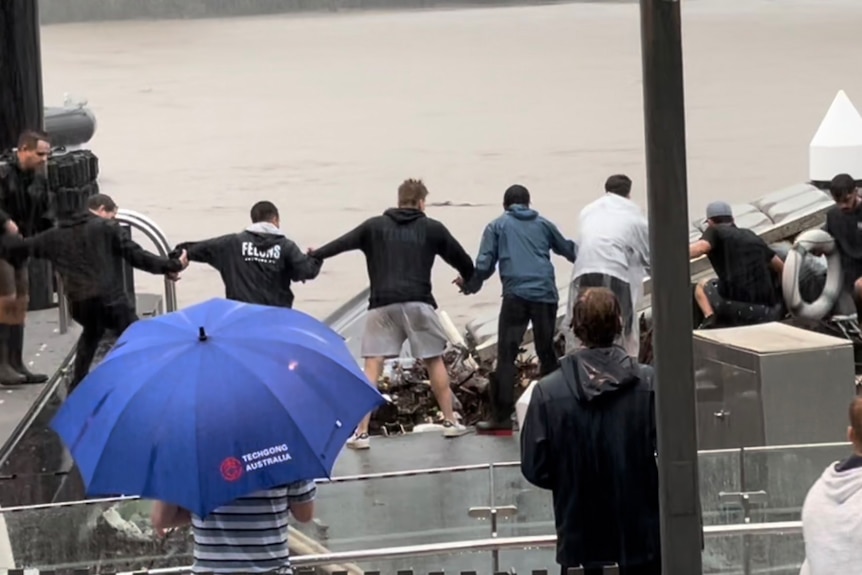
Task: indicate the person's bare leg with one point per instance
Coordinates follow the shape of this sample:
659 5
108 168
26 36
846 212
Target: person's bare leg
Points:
439 376
373 371
440 386
702 300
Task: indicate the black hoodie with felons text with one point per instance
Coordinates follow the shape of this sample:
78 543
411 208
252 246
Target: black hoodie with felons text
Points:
590 437
400 247
256 265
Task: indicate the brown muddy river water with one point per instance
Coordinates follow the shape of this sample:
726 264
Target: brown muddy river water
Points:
326 114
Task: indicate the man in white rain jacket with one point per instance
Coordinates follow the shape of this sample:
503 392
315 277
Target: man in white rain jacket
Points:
613 252
832 513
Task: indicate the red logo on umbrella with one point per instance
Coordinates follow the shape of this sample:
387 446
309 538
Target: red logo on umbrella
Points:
231 469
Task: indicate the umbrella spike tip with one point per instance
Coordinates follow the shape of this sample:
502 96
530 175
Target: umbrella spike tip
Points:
202 334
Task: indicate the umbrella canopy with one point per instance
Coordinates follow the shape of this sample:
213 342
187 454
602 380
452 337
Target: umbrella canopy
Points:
204 405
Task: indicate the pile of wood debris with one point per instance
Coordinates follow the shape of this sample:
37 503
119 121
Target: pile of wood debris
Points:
405 383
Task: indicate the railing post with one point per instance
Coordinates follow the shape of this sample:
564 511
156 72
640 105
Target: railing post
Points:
156 235
492 512
62 304
492 495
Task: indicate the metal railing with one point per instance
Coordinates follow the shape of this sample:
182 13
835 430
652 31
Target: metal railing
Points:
155 234
493 545
750 523
429 471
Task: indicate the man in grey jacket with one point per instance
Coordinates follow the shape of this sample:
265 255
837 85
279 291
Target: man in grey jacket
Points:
521 241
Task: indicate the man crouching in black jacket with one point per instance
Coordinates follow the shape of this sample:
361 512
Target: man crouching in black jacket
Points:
590 437
86 250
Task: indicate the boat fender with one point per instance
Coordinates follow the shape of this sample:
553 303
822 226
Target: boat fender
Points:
816 242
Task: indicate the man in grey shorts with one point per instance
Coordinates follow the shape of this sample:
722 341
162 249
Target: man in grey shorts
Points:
400 247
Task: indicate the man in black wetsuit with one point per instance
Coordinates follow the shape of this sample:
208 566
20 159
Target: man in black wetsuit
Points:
258 264
844 224
25 208
86 250
745 292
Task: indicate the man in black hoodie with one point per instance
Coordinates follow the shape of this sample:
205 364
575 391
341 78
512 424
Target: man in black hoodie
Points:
400 247
844 224
86 250
257 264
25 208
590 437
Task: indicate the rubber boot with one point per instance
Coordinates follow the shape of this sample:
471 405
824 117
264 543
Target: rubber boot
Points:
8 376
16 356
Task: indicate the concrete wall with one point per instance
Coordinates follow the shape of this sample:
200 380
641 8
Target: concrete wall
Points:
64 11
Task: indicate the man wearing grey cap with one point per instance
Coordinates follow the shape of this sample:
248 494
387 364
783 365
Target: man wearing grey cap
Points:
745 291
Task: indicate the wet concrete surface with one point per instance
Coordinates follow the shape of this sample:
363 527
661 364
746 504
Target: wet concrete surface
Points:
28 473
36 468
426 450
45 349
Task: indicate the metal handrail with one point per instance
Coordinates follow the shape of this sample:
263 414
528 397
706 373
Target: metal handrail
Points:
494 544
150 229
411 473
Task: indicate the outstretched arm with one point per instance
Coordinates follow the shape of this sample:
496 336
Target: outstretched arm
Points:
560 245
300 267
453 253
14 246
352 240
206 251
486 261
138 257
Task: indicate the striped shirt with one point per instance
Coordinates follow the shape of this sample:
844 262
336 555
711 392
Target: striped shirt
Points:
250 534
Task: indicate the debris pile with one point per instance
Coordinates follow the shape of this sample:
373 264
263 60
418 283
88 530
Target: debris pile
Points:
124 539
411 402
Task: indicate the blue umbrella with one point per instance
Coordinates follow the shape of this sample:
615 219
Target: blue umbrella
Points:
204 405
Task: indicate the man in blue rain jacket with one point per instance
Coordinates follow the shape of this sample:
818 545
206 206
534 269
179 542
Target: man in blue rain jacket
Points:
521 241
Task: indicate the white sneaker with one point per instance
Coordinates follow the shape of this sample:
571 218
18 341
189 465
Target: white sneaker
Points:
359 441
453 429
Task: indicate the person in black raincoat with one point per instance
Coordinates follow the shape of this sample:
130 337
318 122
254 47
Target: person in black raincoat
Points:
257 264
87 250
589 436
25 208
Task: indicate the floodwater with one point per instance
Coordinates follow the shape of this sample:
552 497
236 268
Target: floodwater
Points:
326 114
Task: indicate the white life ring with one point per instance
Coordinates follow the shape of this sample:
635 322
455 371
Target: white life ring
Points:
815 242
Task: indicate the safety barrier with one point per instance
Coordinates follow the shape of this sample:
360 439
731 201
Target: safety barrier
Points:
453 547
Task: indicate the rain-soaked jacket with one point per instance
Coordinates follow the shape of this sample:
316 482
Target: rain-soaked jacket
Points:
87 252
832 520
256 265
589 436
613 241
521 242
